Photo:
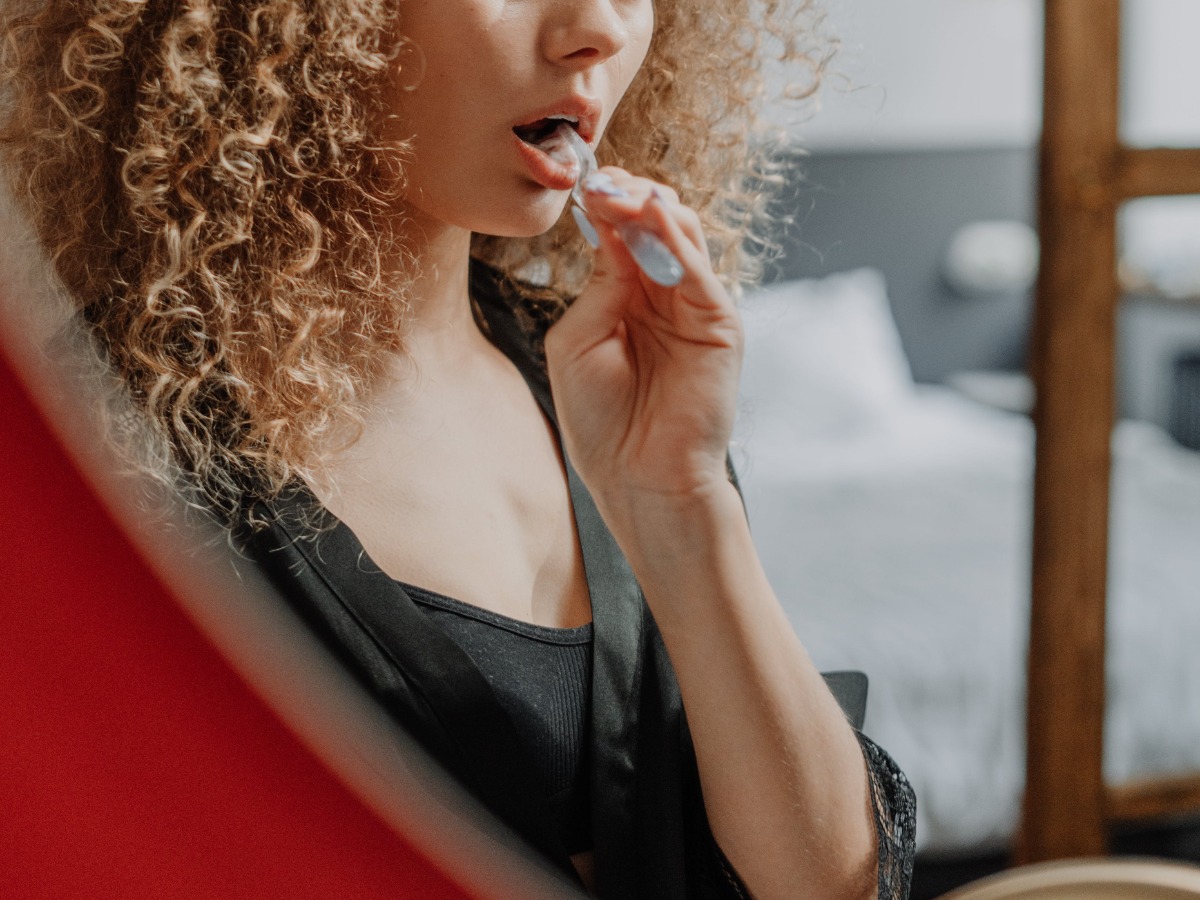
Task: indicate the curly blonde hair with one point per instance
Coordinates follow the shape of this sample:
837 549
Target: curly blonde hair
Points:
210 184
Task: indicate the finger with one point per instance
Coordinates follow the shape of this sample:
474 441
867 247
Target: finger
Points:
637 186
618 201
612 261
596 314
619 198
689 221
700 284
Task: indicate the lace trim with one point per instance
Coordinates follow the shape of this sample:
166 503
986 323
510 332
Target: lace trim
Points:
895 809
733 881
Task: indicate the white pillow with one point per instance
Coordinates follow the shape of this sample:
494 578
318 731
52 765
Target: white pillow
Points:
823 357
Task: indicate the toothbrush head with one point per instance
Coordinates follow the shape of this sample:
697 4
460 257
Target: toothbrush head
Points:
583 152
652 255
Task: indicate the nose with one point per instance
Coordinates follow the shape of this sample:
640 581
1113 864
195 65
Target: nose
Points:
582 33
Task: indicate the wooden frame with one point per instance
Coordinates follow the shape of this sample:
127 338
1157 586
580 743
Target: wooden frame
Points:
1086 173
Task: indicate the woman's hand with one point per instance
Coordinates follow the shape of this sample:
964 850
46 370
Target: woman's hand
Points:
645 376
645 381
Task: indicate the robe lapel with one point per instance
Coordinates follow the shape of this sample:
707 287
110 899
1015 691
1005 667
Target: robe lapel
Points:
616 686
618 634
468 715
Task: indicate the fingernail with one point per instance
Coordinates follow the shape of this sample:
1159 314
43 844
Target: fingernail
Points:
658 195
602 183
586 228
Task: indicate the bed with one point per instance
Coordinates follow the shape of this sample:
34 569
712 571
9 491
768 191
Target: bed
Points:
893 519
1084 174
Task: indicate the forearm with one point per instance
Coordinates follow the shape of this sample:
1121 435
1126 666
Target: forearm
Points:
784 780
645 381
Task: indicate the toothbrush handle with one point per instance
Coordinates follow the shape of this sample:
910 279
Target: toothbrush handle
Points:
653 256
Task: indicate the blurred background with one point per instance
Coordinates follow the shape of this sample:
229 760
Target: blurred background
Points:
885 441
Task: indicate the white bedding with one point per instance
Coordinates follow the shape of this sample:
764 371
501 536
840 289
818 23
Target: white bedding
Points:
897 539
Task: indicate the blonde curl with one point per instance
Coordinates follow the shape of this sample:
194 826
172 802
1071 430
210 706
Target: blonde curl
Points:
209 181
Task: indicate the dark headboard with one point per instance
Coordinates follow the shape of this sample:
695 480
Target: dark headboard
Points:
896 211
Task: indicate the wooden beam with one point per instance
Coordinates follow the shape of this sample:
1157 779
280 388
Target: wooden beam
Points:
1157 172
1151 798
1073 366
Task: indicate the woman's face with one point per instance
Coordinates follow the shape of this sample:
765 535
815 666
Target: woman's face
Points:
494 69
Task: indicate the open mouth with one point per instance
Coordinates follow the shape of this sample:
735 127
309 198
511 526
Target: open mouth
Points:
540 133
547 143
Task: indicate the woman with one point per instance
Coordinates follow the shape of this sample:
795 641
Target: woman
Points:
298 230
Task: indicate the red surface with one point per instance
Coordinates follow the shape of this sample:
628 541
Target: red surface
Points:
133 761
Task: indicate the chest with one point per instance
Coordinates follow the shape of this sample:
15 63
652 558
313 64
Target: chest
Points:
466 494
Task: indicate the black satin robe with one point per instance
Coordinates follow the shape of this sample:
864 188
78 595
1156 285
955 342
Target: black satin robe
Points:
651 835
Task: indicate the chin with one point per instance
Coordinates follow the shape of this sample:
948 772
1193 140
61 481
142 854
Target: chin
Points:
533 220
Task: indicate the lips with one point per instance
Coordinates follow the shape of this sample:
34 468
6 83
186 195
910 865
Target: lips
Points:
547 171
535 132
584 110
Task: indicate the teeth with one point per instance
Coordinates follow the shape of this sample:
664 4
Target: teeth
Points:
574 120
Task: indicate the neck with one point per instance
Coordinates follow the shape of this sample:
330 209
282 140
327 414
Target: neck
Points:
442 322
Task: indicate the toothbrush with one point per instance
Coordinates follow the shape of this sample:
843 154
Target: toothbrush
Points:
650 253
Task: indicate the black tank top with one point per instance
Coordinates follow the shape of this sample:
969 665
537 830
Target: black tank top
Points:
542 678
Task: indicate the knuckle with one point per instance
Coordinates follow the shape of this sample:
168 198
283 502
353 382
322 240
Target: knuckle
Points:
691 219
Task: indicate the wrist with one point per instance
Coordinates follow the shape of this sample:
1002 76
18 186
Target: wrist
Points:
680 541
651 518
